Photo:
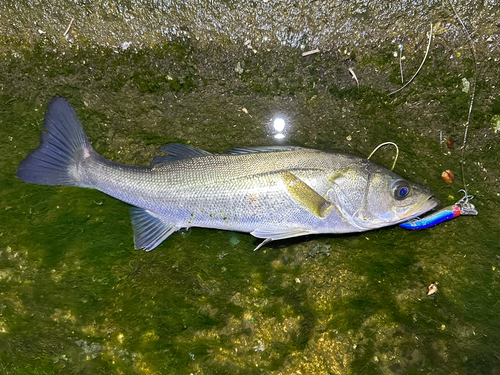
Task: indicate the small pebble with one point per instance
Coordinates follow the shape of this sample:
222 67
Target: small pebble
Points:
448 176
449 143
432 288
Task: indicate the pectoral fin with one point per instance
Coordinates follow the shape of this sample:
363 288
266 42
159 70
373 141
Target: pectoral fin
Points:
279 233
305 195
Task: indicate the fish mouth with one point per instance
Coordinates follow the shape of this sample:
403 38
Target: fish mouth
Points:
423 207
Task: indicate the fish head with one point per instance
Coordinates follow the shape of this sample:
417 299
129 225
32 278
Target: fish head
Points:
391 199
371 197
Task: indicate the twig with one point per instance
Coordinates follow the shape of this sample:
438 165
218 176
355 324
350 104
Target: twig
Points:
420 67
401 63
310 52
69 26
354 76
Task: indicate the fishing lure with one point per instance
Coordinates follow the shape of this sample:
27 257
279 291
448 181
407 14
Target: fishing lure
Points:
462 207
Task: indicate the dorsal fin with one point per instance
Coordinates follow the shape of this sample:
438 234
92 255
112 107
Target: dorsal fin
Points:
177 151
255 150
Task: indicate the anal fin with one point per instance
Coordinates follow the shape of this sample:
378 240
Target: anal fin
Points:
149 231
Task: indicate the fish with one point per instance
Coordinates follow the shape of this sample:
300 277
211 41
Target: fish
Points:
271 192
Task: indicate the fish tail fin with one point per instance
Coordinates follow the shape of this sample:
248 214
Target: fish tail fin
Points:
63 146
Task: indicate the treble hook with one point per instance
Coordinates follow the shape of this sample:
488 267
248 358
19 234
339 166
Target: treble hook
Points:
466 208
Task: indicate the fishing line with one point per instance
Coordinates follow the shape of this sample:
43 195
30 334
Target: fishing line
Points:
473 49
385 144
419 68
463 206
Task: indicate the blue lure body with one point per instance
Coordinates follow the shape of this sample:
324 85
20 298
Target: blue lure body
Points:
462 207
436 218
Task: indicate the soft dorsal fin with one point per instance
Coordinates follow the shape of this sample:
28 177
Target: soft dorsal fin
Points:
177 151
256 150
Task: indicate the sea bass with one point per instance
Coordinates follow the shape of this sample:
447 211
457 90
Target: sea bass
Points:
270 192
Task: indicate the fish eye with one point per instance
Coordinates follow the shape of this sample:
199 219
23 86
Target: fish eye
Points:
400 189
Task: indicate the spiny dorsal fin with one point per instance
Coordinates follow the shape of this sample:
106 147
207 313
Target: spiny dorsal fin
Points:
177 151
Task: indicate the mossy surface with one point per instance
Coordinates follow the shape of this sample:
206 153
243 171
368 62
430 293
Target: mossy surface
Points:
76 298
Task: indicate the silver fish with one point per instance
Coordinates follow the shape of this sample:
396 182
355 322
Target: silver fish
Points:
270 192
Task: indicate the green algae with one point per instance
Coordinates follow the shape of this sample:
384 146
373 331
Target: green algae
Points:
76 298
